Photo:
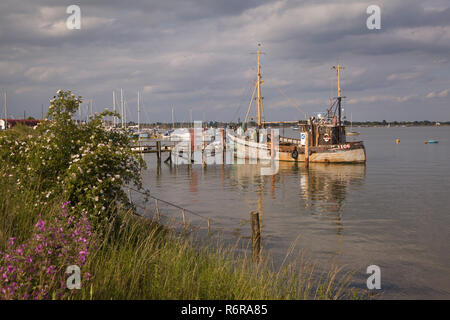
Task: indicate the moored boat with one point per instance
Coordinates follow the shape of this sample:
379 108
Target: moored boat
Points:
322 138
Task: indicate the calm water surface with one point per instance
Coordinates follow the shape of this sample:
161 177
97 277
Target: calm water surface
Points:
393 212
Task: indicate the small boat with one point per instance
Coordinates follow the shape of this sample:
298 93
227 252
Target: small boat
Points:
431 141
351 133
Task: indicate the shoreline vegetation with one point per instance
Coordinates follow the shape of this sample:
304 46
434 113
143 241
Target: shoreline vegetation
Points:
62 203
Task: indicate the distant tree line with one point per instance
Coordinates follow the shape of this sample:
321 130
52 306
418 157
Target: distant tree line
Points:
221 124
397 123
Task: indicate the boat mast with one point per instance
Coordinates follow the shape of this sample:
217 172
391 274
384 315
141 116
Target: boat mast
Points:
139 117
6 112
173 123
121 106
338 69
258 88
114 108
125 111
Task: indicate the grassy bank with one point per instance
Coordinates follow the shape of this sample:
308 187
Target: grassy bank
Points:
136 258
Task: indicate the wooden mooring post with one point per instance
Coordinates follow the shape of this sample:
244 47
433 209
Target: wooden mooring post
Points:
224 145
307 149
256 235
158 150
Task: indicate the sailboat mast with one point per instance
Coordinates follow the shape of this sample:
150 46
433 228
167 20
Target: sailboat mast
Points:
114 107
173 123
258 88
6 111
125 111
139 118
121 106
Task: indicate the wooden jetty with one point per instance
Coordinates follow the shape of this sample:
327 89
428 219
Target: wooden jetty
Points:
155 146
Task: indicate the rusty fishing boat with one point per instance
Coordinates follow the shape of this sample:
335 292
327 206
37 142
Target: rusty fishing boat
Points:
322 138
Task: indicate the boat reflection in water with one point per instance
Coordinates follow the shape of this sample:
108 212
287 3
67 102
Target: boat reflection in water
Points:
324 189
294 202
286 200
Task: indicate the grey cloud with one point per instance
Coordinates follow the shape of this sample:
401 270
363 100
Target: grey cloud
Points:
197 54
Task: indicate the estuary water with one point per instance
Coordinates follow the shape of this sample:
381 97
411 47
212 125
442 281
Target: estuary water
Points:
393 212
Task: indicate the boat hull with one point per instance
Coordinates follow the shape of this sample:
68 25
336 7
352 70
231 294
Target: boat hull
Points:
357 155
351 152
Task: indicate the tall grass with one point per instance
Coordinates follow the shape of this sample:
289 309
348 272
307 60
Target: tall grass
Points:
18 210
139 259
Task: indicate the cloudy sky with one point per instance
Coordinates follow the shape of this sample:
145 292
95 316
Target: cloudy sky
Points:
199 55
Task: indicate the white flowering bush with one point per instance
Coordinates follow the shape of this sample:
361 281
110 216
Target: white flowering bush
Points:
82 163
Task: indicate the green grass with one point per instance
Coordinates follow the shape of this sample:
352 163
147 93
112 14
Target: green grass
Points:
139 259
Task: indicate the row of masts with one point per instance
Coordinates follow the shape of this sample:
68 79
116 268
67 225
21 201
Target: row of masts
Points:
123 113
123 117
